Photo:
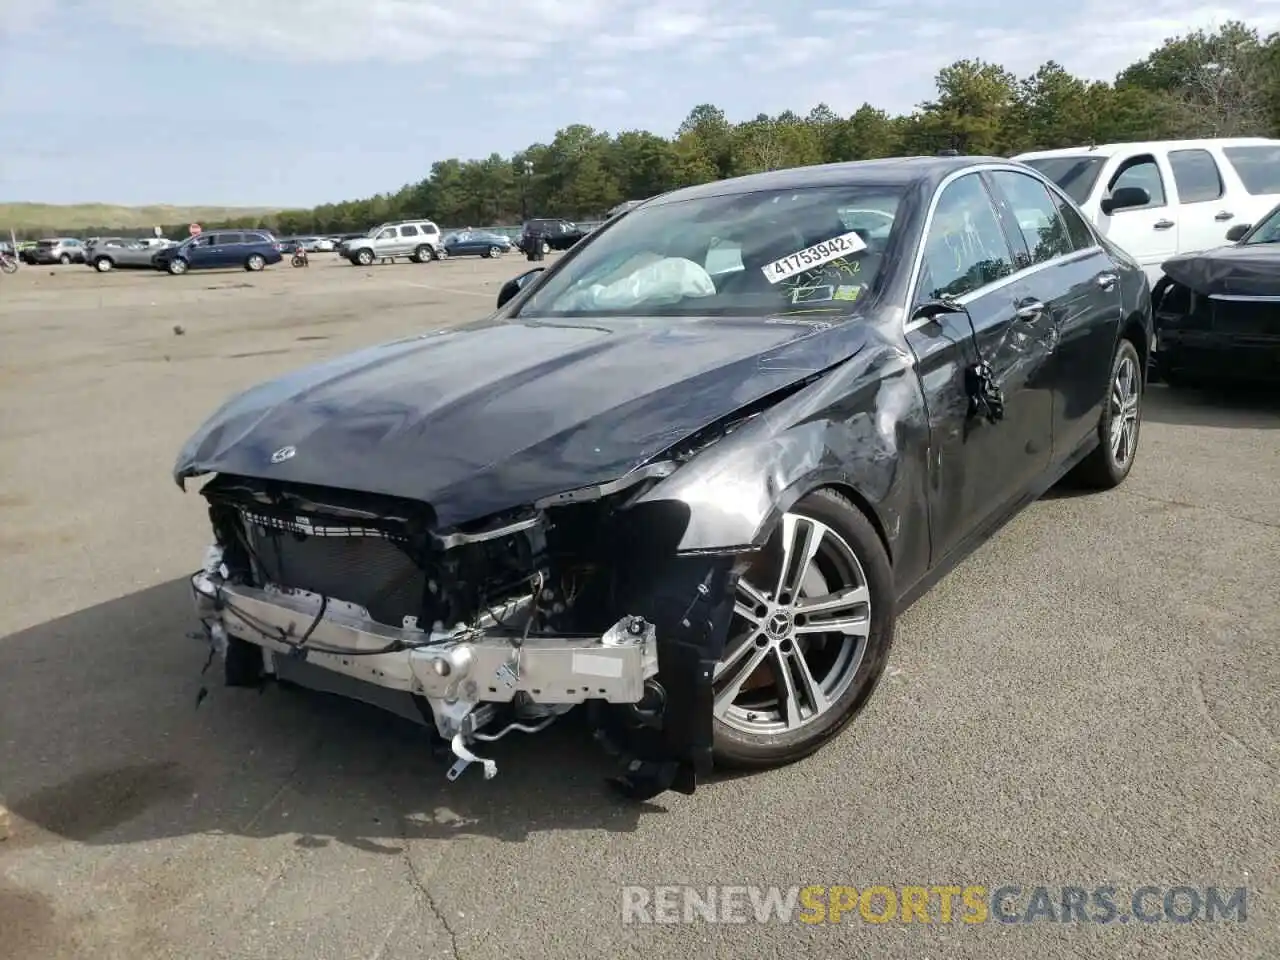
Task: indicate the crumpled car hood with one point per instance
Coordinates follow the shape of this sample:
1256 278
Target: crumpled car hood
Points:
496 415
1248 271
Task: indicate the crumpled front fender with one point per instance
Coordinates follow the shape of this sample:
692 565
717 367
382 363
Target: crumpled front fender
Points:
845 429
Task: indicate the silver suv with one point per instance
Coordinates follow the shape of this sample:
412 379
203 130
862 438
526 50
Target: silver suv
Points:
412 239
59 250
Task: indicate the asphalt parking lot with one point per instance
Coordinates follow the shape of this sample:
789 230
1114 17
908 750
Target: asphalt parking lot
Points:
1091 698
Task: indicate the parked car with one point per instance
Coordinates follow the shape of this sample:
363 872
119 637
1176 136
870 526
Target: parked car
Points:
62 250
417 240
693 501
477 243
250 249
1217 312
556 234
1165 198
108 253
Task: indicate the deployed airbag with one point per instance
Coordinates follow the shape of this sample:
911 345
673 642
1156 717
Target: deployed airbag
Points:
665 281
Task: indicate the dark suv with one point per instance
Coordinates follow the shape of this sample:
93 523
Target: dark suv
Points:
250 249
555 234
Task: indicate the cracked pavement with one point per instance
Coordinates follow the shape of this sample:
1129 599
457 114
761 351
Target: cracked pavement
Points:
1091 696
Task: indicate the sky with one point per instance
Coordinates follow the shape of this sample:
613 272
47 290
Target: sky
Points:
300 102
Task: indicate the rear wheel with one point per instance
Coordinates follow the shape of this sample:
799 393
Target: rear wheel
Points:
812 627
1110 462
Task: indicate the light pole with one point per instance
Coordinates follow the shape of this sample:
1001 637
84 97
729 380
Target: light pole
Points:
527 171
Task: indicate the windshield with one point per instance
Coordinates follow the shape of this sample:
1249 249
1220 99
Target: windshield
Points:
1267 230
1075 175
811 250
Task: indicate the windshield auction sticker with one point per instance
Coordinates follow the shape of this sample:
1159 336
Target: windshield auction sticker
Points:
815 256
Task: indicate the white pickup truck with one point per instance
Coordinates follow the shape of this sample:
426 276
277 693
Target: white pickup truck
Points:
1163 198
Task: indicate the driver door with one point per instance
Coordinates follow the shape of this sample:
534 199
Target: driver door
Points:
386 242
978 467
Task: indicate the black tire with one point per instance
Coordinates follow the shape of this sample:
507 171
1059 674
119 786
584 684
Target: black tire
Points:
254 262
734 748
64 259
103 264
243 666
177 266
423 254
1103 469
493 253
363 258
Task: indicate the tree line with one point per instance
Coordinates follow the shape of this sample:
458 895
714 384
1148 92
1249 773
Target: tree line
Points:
1201 84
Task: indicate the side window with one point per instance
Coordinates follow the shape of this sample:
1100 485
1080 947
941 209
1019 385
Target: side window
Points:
386 234
1082 237
1141 171
1196 175
408 230
1036 215
965 248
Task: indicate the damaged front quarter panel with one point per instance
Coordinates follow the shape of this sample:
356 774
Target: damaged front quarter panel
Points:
851 427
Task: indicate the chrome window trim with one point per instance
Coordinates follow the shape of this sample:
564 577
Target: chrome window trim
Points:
965 299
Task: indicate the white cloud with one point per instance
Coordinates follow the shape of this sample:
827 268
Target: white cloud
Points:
883 51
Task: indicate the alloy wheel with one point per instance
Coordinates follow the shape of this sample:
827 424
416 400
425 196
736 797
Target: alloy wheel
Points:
1126 397
800 632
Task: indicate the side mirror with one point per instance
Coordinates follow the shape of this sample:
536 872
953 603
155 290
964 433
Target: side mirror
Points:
1236 233
1125 198
515 285
932 309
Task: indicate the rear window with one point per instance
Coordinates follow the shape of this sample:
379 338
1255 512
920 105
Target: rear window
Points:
1075 175
1258 167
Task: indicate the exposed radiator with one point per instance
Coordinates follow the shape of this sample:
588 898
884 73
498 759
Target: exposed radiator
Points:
349 564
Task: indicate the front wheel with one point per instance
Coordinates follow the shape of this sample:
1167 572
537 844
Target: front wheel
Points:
364 258
812 628
423 254
1110 462
65 259
177 266
103 264
493 253
255 262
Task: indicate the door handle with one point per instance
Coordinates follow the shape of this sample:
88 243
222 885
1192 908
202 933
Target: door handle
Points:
1224 215
1029 309
1163 224
1107 281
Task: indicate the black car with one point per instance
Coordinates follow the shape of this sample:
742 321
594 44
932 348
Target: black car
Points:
686 477
1217 312
551 234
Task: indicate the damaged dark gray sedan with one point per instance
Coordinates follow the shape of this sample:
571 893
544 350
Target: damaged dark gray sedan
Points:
688 475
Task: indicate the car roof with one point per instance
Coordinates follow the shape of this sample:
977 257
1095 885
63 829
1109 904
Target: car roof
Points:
892 171
1105 150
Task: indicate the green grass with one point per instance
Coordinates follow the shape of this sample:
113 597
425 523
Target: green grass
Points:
48 216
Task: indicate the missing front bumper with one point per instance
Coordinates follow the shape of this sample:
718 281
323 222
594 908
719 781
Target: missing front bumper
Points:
461 675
